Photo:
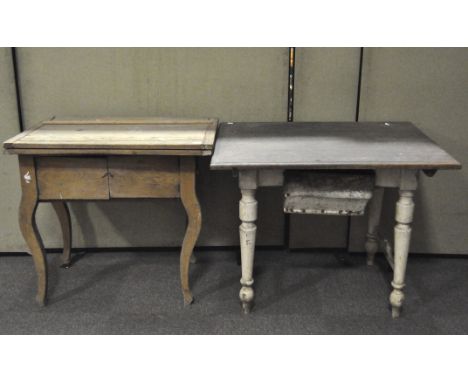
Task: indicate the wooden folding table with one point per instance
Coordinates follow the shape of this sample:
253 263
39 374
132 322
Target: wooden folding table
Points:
68 160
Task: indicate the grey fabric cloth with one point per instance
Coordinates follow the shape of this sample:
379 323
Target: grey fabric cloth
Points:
296 293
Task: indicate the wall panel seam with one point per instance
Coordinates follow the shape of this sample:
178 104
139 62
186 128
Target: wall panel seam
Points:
17 88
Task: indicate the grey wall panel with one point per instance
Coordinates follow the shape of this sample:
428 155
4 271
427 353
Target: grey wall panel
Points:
427 86
325 90
234 84
10 236
326 84
231 84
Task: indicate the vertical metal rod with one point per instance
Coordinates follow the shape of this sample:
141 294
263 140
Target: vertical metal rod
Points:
358 95
290 118
356 119
17 88
292 65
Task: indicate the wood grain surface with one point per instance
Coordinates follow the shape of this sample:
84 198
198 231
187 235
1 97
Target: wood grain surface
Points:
104 151
143 177
28 226
62 178
330 145
139 134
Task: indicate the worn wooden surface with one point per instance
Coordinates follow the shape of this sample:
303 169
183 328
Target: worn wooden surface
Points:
143 177
327 192
77 152
194 221
327 145
63 215
69 178
140 134
79 178
28 226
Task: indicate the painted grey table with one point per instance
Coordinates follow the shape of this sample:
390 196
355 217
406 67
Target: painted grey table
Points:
396 151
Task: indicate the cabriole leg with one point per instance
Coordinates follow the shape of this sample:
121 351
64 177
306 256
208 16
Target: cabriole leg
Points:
192 208
27 222
372 238
403 217
63 214
247 233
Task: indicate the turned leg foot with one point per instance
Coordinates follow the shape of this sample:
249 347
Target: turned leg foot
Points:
28 227
247 234
402 232
63 215
246 296
372 238
396 300
194 218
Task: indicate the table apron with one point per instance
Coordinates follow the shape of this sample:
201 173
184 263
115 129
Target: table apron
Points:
107 177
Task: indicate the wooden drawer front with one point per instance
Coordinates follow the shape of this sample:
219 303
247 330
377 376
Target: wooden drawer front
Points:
72 178
143 177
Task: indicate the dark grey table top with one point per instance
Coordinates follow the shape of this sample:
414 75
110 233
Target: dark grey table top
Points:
327 145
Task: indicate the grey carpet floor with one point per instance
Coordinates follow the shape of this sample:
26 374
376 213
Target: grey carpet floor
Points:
296 293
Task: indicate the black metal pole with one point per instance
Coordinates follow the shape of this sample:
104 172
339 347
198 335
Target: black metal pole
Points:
17 88
290 118
292 65
358 96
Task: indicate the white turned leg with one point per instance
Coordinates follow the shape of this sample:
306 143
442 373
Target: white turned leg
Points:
247 233
372 238
403 217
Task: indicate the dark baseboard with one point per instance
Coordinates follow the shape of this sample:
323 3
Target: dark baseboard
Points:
228 248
